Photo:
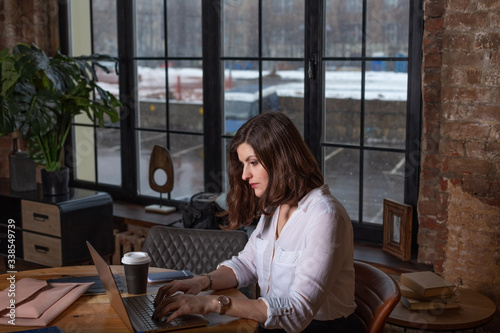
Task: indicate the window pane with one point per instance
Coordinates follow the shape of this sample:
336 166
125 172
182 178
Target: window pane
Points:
284 89
387 28
282 28
186 116
343 28
240 28
185 95
84 153
150 28
383 178
343 102
341 167
241 95
183 116
184 28
109 156
105 38
147 141
186 152
187 157
108 81
153 114
152 93
185 81
385 109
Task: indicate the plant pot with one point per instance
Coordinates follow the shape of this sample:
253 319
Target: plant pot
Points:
55 182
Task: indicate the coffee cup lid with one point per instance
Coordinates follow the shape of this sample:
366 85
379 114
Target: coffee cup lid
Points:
135 258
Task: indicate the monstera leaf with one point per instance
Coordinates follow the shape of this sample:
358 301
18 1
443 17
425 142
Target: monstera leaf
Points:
41 95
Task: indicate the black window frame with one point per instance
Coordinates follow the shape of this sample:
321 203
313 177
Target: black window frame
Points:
213 101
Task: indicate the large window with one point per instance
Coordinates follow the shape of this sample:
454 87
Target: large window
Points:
191 72
365 108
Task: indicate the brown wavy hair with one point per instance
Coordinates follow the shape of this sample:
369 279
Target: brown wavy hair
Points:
293 171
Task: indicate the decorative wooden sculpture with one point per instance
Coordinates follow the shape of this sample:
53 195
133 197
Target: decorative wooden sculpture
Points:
161 161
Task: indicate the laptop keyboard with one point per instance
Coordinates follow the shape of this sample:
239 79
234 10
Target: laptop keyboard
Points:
144 308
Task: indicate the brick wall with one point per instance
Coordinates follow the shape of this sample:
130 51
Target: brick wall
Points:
27 21
459 198
30 21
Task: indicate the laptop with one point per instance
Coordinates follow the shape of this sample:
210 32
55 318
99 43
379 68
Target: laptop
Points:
137 311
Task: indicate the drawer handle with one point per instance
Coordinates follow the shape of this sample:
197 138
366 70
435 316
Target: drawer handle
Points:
41 249
40 217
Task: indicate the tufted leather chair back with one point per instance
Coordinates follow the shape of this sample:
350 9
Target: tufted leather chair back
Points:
198 250
376 295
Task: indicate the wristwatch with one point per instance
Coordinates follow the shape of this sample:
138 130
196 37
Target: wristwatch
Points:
224 302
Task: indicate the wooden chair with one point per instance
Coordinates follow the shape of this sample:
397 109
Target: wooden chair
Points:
376 295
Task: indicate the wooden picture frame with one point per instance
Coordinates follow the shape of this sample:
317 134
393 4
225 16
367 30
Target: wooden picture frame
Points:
397 229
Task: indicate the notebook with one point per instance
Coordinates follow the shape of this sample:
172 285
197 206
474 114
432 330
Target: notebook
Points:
96 289
136 311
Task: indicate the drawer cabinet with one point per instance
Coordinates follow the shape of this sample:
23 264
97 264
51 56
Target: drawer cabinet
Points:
52 231
41 217
43 250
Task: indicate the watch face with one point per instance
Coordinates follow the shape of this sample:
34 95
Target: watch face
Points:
223 300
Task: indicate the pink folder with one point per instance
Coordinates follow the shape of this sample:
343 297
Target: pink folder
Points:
36 303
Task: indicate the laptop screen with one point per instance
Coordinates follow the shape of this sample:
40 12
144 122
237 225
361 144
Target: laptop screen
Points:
108 281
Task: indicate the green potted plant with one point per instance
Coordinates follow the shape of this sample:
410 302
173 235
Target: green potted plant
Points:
41 95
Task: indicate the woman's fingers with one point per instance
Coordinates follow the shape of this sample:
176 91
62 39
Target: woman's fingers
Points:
186 286
164 307
161 294
173 305
178 305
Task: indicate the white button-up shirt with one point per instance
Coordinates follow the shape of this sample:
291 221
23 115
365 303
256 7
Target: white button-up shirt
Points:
307 273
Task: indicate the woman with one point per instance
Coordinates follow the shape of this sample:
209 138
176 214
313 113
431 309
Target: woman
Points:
301 252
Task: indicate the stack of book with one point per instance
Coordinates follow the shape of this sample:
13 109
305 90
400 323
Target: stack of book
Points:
427 291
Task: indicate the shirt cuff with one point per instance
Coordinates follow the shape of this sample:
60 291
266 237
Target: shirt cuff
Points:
276 307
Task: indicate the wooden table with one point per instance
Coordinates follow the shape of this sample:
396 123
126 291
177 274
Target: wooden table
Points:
95 313
475 310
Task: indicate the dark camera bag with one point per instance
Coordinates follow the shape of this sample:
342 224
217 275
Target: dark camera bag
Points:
201 212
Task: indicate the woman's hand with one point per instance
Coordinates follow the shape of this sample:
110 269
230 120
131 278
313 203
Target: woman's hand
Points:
185 304
190 286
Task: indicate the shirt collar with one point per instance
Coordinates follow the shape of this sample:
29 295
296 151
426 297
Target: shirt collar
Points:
311 197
